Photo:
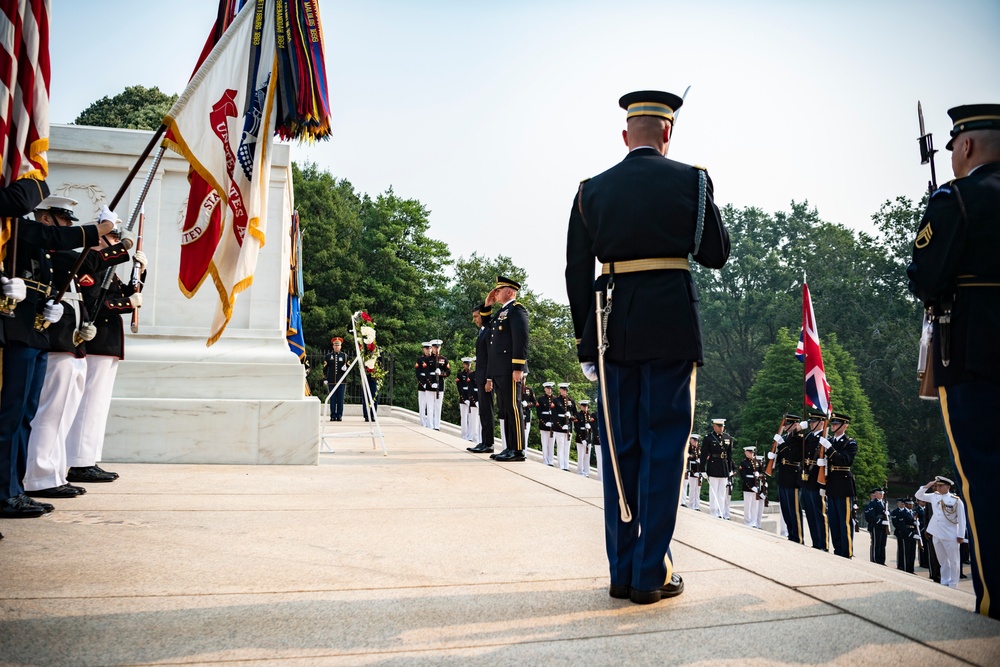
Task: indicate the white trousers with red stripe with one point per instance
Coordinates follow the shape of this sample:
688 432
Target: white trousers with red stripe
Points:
85 442
62 391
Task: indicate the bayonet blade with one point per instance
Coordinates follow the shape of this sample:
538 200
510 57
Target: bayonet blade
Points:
920 116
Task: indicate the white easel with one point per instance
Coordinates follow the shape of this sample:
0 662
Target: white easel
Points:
374 426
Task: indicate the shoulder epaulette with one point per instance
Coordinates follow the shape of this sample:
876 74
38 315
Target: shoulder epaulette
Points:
698 166
585 180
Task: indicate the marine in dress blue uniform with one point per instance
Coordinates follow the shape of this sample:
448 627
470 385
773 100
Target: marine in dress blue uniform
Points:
334 368
955 271
641 219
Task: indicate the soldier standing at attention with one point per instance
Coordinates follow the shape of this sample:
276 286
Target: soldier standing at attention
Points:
788 459
585 424
956 274
565 411
840 484
813 502
906 542
528 402
546 422
334 368
508 362
463 380
877 518
438 371
692 475
641 219
422 369
717 463
750 481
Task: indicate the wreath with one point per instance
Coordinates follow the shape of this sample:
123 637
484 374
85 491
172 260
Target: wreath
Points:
370 351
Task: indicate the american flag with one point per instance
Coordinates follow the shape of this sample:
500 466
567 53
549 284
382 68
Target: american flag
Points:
817 389
24 89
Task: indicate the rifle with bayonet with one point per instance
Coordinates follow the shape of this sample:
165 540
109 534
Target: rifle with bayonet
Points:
925 359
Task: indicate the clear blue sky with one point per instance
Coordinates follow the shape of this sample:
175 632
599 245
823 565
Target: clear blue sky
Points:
490 113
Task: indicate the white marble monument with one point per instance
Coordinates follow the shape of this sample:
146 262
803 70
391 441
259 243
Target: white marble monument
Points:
175 400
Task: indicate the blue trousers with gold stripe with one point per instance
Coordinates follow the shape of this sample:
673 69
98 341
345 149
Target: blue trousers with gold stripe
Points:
813 505
651 405
977 459
509 395
838 511
788 501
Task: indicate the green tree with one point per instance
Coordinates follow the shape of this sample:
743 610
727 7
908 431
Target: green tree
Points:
135 108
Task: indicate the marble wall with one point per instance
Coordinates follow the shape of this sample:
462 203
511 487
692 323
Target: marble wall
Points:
175 399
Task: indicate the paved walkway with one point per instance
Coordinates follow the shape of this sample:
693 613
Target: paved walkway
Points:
432 556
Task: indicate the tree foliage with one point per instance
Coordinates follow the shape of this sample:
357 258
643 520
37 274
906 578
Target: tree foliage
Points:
135 108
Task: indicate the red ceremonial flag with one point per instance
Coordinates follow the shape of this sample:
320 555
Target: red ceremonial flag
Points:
223 125
817 390
24 92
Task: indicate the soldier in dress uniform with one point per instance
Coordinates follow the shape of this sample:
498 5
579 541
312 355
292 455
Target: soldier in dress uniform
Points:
751 474
877 518
955 273
813 503
528 402
66 364
947 527
565 412
85 442
692 476
481 315
25 348
905 529
422 370
438 372
465 383
787 457
547 422
717 465
334 368
585 425
508 362
641 219
840 484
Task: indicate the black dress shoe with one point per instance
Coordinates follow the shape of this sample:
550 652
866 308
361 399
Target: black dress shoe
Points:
46 507
89 474
16 508
510 455
501 453
672 589
480 449
79 489
619 592
54 492
106 472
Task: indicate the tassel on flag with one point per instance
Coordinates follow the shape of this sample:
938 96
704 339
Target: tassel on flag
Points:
817 390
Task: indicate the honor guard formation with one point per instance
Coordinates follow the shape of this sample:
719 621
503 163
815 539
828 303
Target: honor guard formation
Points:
62 336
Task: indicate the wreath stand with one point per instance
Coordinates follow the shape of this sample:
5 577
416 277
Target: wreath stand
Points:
374 426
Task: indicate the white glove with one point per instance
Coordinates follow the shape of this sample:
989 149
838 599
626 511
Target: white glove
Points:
756 474
52 312
822 492
753 490
127 237
770 455
326 382
778 439
135 300
140 258
87 331
803 425
106 214
565 427
14 288
434 385
885 523
589 369
821 462
548 424
524 404
826 443
437 371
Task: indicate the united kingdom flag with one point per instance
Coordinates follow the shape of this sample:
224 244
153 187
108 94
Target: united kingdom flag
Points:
808 351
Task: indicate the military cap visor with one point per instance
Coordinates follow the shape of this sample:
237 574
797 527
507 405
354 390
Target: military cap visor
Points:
58 205
973 117
876 490
789 417
944 480
507 282
650 103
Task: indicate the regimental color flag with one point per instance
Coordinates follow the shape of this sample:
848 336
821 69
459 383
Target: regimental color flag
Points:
817 390
293 318
24 92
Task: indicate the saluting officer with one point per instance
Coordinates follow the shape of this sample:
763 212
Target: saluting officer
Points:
813 503
788 459
547 422
422 369
334 368
840 484
955 272
584 424
641 219
946 526
692 476
464 383
751 475
481 315
717 465
508 362
565 411
877 518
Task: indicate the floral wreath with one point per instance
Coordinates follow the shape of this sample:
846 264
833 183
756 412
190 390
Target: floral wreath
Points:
370 351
